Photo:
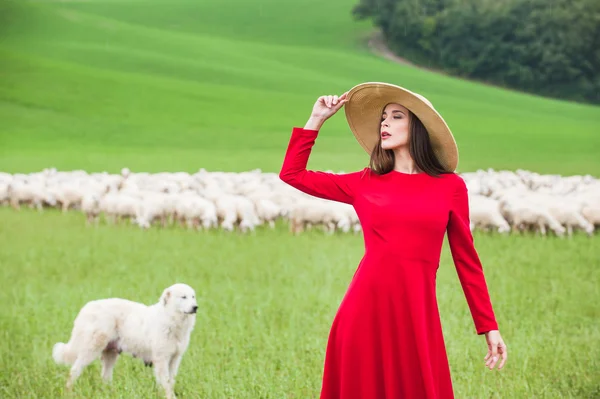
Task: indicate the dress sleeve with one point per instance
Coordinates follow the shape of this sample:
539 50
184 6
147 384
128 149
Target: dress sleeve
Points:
330 186
467 262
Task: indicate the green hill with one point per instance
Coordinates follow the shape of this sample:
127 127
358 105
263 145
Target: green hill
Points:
181 85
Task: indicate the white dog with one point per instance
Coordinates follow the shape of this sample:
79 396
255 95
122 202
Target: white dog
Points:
158 334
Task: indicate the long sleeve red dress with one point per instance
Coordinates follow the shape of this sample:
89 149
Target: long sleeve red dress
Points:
386 339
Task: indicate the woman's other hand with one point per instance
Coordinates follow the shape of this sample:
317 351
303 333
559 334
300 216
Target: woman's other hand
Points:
496 349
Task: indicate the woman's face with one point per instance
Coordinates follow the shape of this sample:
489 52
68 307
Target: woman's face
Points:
394 127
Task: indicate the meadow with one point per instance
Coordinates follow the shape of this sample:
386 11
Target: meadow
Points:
178 85
266 303
181 85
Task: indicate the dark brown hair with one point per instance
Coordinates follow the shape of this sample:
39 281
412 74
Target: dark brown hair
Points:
382 161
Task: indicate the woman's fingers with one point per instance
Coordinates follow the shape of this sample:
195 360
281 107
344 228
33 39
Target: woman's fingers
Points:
503 353
494 355
494 361
504 357
332 100
500 353
496 352
330 104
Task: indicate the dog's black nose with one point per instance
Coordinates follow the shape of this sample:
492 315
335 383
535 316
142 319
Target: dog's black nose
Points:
194 309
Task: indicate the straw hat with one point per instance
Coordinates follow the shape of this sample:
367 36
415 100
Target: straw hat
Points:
364 107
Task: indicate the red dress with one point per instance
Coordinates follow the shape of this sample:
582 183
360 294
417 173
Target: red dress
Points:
386 339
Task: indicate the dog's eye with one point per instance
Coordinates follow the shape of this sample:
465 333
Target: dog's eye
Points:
184 297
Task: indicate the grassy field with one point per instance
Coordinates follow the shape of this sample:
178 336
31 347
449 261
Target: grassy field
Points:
218 84
266 309
178 85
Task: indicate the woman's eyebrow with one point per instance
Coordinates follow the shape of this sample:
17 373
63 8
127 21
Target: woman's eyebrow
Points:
396 110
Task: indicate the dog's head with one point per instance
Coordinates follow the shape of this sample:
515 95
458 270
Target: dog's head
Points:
180 298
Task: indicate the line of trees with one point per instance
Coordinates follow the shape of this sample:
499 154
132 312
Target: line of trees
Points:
547 47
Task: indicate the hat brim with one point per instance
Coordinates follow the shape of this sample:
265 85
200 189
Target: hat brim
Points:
364 107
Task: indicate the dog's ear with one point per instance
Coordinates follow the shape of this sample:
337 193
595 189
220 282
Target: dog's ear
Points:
165 297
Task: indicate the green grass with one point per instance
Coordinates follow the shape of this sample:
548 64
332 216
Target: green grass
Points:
179 85
265 309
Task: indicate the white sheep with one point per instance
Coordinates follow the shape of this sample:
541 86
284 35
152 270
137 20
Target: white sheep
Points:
485 213
4 197
248 219
249 199
67 195
151 208
526 215
592 214
564 210
119 205
268 211
90 206
196 211
311 212
32 194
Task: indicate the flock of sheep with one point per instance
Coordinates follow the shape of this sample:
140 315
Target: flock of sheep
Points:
500 201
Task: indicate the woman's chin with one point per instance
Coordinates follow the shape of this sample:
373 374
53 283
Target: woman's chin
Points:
390 146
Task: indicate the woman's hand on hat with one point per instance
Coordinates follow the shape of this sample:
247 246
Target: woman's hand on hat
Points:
328 105
496 349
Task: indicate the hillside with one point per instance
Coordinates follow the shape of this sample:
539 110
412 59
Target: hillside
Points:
178 85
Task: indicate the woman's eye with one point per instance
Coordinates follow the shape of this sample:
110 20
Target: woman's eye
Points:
184 297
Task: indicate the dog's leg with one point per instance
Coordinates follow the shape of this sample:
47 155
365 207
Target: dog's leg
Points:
161 370
109 358
96 343
173 367
83 360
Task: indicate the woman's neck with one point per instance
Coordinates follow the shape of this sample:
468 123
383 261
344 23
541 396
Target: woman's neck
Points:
403 162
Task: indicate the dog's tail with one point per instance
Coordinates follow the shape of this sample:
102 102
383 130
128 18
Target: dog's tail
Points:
62 354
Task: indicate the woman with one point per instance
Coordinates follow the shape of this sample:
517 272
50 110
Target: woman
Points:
386 339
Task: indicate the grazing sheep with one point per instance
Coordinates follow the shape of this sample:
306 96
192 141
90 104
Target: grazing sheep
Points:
502 201
485 213
526 215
